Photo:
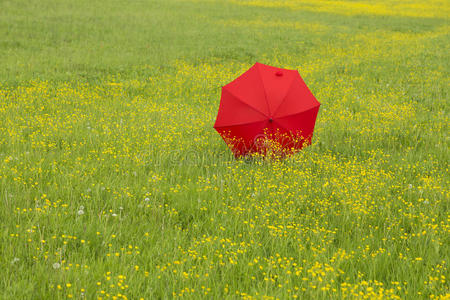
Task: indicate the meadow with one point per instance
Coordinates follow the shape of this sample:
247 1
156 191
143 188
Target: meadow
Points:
114 185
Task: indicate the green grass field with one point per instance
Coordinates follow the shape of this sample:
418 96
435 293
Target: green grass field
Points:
113 183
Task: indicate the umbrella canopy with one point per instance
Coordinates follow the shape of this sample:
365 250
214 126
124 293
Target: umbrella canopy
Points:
266 108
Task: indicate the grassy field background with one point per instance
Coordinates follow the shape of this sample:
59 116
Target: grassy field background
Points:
113 183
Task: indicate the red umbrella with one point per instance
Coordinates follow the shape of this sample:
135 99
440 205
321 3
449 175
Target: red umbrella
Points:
266 108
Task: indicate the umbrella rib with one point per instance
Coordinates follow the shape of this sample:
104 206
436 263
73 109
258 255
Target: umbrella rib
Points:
240 100
241 124
264 89
297 113
294 114
285 96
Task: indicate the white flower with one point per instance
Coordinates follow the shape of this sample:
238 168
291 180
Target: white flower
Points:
426 202
147 199
121 208
15 260
81 207
81 212
56 265
114 215
410 186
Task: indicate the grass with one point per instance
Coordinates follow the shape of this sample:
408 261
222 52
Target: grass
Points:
114 183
